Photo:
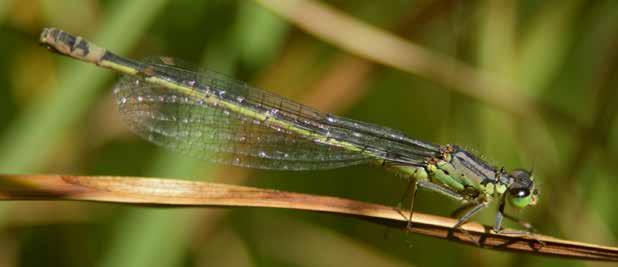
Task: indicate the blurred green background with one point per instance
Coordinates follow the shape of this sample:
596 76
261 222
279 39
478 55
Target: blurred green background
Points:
57 116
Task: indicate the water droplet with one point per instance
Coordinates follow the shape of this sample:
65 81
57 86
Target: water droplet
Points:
330 119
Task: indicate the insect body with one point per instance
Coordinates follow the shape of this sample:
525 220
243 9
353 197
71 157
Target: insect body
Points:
209 115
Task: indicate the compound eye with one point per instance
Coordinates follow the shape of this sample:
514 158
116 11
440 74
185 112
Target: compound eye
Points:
519 192
521 175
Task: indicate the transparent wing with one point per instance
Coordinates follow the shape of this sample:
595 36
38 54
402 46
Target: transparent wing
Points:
186 123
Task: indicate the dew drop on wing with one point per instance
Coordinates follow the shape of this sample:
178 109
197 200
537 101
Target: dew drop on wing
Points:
330 119
236 137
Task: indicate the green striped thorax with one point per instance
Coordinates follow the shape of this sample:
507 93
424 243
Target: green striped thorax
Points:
472 177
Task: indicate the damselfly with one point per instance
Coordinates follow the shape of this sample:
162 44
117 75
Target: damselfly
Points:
209 115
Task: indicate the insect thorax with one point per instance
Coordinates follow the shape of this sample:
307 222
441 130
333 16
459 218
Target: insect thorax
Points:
473 176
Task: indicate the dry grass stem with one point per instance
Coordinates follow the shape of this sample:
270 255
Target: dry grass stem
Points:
178 193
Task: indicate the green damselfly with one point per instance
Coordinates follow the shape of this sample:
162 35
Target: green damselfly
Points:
209 115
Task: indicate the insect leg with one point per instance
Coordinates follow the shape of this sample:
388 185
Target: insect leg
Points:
440 189
471 212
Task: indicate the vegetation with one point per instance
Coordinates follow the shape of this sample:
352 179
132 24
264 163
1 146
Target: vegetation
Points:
527 84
